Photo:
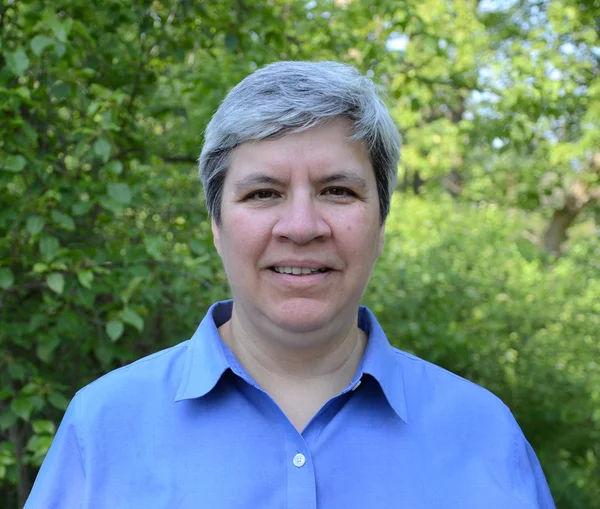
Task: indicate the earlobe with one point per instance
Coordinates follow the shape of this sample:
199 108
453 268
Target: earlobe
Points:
216 235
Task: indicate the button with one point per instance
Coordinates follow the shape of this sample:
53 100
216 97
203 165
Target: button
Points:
299 460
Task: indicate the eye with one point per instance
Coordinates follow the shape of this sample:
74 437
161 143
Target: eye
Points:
339 192
262 195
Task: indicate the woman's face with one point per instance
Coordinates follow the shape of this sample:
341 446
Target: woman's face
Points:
300 229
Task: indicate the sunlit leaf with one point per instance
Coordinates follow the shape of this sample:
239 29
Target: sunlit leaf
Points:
120 192
39 43
17 61
56 282
115 167
63 220
49 247
102 148
130 316
85 277
35 224
14 163
115 329
22 406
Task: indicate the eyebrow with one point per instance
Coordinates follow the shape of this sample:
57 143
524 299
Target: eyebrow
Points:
344 178
256 179
259 179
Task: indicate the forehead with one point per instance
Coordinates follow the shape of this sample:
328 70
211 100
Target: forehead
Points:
316 152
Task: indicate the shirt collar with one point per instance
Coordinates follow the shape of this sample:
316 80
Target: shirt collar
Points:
382 362
205 360
208 358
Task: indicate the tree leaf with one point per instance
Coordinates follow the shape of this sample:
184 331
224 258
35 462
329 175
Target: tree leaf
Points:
60 29
58 401
102 148
22 406
39 43
7 419
17 371
131 288
197 247
85 278
46 347
17 61
120 192
60 91
6 278
62 219
56 282
131 317
49 247
81 208
115 167
115 329
39 445
35 224
14 163
39 268
154 246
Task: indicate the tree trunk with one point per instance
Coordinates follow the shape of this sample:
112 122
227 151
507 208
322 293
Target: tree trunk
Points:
579 196
417 183
24 483
453 183
556 234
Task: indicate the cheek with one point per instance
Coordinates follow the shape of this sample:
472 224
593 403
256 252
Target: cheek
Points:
243 235
359 235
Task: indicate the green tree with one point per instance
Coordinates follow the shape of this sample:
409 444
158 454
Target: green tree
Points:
105 248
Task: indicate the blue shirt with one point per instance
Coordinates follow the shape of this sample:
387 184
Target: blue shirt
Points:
188 428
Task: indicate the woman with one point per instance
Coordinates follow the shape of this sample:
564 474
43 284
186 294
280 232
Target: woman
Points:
290 395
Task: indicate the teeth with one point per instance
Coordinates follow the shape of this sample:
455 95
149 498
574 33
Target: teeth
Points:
296 271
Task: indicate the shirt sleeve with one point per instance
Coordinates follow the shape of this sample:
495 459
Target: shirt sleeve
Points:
60 483
534 487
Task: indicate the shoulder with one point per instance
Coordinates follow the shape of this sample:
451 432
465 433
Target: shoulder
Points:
157 375
434 394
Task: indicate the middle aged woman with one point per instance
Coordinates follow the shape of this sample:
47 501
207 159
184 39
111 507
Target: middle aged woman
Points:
299 230
290 395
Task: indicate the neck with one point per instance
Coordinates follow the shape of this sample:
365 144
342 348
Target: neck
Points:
298 370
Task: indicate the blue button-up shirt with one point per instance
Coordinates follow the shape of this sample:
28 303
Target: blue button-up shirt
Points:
189 428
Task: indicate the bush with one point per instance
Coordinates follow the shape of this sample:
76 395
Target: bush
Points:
460 286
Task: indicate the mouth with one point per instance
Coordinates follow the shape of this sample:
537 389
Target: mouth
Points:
299 271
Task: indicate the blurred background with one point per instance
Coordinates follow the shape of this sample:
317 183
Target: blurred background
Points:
492 265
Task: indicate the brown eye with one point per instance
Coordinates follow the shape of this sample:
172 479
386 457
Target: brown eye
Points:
339 192
262 195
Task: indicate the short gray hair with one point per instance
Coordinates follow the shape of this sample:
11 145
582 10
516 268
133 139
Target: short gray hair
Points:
290 97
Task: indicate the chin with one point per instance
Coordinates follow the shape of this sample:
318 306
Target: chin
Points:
302 317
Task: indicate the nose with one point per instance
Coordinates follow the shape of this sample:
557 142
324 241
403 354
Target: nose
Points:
300 221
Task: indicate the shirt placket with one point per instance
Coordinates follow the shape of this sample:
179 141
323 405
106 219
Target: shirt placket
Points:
301 482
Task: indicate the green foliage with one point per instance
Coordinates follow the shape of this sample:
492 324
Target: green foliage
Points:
461 287
106 251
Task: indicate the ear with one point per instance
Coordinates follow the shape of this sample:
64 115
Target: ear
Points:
381 242
216 230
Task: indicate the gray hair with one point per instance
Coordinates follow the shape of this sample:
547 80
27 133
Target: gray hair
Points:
290 97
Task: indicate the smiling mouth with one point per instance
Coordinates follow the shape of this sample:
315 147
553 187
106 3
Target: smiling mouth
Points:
298 271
